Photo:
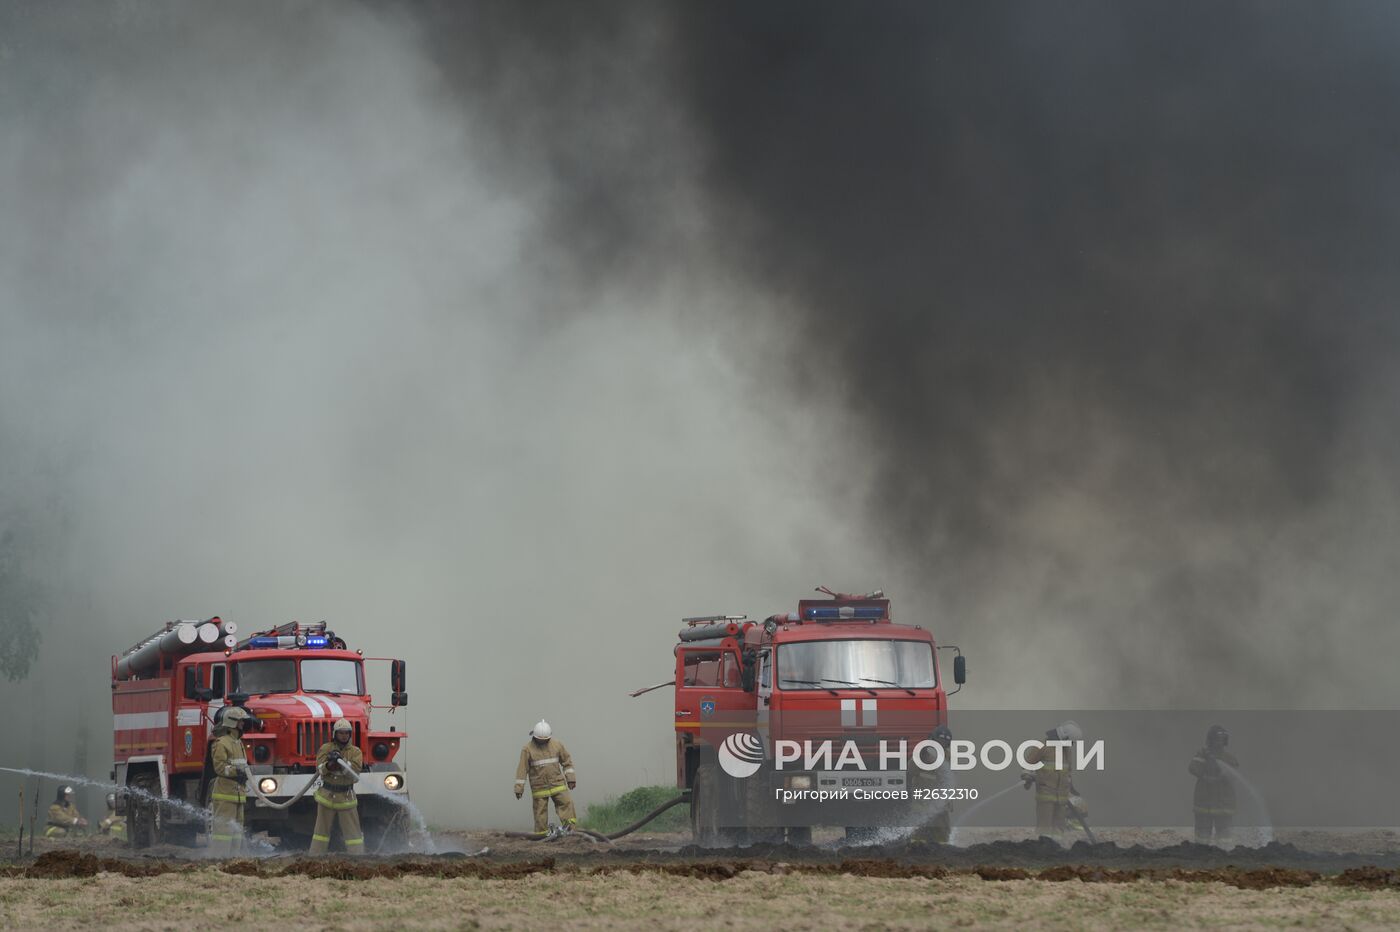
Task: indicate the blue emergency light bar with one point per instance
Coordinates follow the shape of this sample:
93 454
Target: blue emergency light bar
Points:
839 612
313 641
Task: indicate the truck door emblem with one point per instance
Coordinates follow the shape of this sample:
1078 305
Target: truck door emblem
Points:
189 742
707 706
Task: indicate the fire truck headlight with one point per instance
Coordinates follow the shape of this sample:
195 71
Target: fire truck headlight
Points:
801 781
267 785
393 781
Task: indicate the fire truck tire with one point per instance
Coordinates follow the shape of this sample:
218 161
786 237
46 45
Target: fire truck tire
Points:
706 804
861 835
294 842
385 836
142 819
760 811
800 836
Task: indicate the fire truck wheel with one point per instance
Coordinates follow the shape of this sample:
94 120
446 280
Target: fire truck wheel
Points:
386 836
760 813
707 805
704 806
800 835
142 811
861 835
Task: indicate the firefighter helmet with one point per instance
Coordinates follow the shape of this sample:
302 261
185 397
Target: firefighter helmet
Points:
1218 736
541 731
342 725
943 734
111 800
233 716
1069 731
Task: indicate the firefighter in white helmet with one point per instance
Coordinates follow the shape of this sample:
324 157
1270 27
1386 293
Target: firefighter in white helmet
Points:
227 791
545 763
339 762
63 815
1054 784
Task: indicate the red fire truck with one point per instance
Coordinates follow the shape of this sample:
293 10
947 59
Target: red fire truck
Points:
837 669
296 680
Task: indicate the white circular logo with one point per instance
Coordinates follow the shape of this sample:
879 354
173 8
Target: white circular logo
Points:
741 754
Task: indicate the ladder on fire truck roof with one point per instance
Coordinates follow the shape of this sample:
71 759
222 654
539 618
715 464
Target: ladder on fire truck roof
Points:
703 619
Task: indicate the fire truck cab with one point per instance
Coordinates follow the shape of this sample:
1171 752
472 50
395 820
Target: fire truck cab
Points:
837 669
296 681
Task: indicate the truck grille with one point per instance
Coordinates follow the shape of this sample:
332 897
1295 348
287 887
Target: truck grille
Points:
311 735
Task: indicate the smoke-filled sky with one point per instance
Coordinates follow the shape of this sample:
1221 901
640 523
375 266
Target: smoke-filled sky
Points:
504 335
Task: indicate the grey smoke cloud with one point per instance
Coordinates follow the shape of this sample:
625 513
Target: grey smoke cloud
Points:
504 336
285 339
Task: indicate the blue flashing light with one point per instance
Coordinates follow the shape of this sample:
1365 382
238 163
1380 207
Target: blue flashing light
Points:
317 640
262 642
840 612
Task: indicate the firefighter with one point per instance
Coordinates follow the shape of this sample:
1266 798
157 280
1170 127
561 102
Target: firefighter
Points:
113 825
1214 799
546 764
335 799
227 791
64 816
939 827
1054 785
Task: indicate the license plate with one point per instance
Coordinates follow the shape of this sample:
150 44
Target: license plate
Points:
861 781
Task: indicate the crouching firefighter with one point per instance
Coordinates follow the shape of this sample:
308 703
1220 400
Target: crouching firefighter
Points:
227 791
339 763
64 816
546 763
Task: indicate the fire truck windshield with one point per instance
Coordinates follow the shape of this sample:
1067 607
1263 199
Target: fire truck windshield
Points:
265 676
857 664
331 676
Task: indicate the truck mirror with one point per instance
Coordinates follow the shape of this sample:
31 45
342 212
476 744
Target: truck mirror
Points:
399 698
203 693
398 677
959 669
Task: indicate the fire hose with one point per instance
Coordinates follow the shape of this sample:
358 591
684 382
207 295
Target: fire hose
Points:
310 785
611 836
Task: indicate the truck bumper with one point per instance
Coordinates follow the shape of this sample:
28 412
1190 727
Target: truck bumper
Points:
371 784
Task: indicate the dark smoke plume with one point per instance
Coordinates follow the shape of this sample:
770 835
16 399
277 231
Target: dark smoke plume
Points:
1103 292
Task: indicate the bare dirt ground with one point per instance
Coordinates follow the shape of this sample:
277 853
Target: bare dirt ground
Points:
639 897
1134 878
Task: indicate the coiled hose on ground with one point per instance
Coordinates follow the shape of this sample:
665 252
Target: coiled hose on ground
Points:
611 836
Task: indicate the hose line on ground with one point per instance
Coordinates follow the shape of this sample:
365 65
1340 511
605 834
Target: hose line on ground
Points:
599 836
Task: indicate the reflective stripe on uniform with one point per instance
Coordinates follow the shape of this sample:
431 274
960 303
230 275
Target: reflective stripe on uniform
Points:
53 830
549 791
544 760
228 797
330 804
353 841
325 838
